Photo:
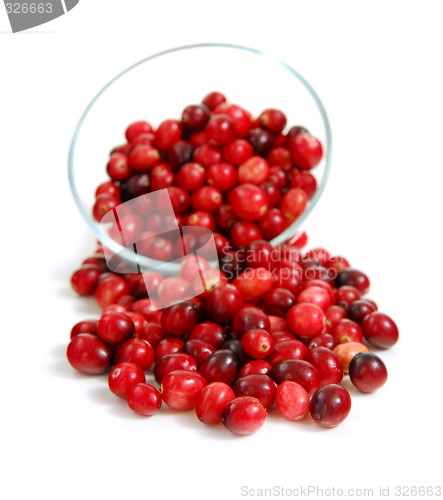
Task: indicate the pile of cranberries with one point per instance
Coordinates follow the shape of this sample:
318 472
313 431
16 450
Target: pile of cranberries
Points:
273 325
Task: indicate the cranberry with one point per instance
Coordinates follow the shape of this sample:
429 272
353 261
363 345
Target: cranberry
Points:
225 217
220 130
86 326
304 181
109 291
206 155
235 345
353 278
162 177
281 336
359 309
88 354
123 377
115 327
221 243
292 400
222 176
249 202
194 118
179 319
168 346
255 170
244 415
314 295
273 121
334 314
143 139
321 340
272 223
256 366
243 233
180 389
273 194
103 205
258 386
84 280
213 99
143 158
347 294
367 372
293 203
278 301
110 188
174 362
345 352
206 198
237 152
327 363
259 254
330 405
198 138
288 279
221 366
137 128
198 349
208 332
347 330
278 177
232 263
277 323
380 330
191 176
299 371
153 333
222 304
261 140
120 308
167 134
306 320
201 218
144 399
161 249
174 289
241 119
118 168
337 264
254 283
137 351
257 343
287 349
306 151
145 307
281 157
211 401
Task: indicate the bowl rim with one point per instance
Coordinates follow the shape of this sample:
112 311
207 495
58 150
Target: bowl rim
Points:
289 233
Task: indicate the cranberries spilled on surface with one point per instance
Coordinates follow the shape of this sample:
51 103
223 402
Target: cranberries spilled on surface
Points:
273 326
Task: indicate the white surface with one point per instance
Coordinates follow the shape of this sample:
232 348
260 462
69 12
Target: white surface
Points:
377 68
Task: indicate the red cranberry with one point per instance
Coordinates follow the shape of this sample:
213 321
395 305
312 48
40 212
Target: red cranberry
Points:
206 155
288 279
237 152
347 330
143 139
198 349
298 371
88 354
211 401
179 319
136 185
281 336
161 249
208 332
120 308
143 158
322 340
257 343
136 128
180 389
198 138
161 178
222 304
201 218
277 177
84 280
293 203
258 386
287 349
367 372
345 352
109 291
281 157
222 176
256 366
347 294
334 314
225 217
244 415
174 289
168 346
255 170
314 295
261 140
123 377
306 320
278 301
380 330
144 399
221 243
153 333
359 309
249 202
118 168
110 188
353 278
272 120
259 254
272 224
250 318
327 363
103 205
213 99
235 346
221 366
191 176
277 324
220 130
306 151
243 233
254 283
273 194
232 263
241 119
292 400
304 181
86 326
137 351
206 198
173 362
194 118
337 264
115 327
167 134
145 307
330 405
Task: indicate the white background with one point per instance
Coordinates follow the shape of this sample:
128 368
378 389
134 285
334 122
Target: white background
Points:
378 69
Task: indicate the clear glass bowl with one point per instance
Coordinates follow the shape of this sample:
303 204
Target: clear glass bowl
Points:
161 86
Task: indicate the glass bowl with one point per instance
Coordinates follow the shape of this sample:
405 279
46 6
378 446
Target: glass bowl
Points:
160 87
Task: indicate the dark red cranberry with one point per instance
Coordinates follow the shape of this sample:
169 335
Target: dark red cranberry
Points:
359 309
136 128
327 363
249 318
84 281
272 224
143 158
194 118
244 415
288 279
380 330
153 333
353 278
367 372
180 389
222 176
293 132
191 176
222 304
88 354
243 233
258 386
225 217
136 185
173 362
293 203
330 405
249 202
179 319
206 155
118 168
167 134
213 99
168 346
232 263
298 371
180 153
144 399
86 326
256 366
198 349
103 205
235 345
273 120
273 194
259 253
123 377
306 320
287 349
161 178
261 140
306 151
115 327
211 401
208 332
137 351
292 400
221 366
322 340
221 244
237 152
